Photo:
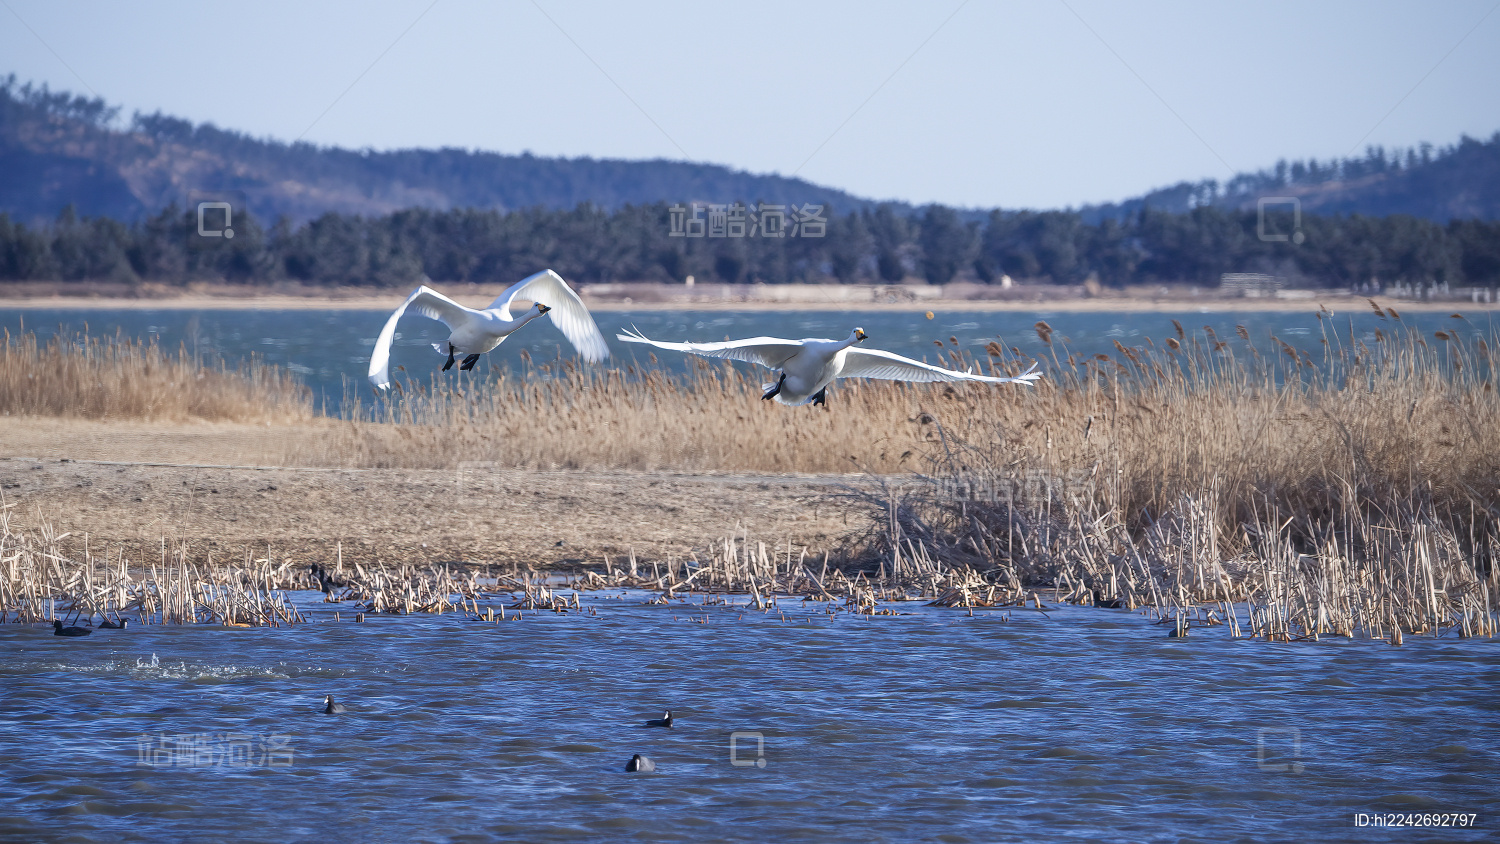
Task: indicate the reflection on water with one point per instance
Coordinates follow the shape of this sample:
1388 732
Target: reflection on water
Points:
1081 723
331 348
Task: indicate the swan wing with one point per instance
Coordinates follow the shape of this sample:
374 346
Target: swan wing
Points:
770 352
567 311
875 363
423 301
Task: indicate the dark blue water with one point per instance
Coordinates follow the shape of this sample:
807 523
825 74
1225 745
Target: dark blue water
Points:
331 349
1085 725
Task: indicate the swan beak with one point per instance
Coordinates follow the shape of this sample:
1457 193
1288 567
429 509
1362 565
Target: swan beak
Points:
542 309
859 334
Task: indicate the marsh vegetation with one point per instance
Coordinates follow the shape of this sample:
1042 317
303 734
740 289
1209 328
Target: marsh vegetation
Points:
1212 480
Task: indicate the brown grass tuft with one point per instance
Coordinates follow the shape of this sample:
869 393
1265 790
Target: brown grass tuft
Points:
87 377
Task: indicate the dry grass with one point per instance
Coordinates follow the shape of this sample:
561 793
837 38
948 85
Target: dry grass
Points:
708 420
1358 490
86 377
1257 430
40 580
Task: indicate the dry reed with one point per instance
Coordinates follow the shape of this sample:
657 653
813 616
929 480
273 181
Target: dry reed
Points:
1213 480
40 579
711 419
119 378
1354 493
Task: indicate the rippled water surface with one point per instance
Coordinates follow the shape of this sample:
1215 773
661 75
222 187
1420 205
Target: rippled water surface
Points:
330 349
1083 723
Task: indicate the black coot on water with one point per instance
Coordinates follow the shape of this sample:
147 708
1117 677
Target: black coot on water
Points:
59 630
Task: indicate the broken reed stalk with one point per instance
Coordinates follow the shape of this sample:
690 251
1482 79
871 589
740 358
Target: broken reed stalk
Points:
1354 495
40 580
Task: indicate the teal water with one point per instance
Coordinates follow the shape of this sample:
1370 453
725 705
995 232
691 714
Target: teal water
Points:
331 349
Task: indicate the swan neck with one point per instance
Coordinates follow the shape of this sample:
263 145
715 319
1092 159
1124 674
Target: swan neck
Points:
525 318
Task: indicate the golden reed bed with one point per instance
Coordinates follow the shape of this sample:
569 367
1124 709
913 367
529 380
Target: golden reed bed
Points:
1180 414
1192 468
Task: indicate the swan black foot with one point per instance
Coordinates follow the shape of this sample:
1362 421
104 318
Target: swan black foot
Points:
820 397
468 363
452 352
771 394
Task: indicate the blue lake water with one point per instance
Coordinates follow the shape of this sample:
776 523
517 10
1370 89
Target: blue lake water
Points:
331 348
1083 724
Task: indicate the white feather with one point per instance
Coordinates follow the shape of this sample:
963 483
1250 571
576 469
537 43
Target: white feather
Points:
810 365
478 331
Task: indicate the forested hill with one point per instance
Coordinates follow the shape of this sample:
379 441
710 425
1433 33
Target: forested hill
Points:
57 149
1457 182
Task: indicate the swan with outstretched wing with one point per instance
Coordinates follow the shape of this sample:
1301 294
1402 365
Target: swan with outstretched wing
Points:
475 332
808 366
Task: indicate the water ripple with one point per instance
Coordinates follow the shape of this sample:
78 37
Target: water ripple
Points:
936 726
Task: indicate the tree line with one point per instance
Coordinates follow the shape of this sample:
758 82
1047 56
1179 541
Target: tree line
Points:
885 244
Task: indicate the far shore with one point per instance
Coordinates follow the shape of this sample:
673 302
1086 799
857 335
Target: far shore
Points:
717 297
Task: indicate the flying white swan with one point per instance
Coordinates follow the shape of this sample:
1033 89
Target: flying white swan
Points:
476 332
809 366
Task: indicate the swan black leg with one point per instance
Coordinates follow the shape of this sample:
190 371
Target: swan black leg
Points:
776 389
820 397
451 352
468 363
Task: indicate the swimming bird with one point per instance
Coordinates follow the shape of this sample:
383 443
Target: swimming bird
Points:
808 366
640 763
59 630
475 332
327 583
106 624
331 708
663 721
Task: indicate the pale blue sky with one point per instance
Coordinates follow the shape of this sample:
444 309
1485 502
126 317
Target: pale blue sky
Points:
1041 104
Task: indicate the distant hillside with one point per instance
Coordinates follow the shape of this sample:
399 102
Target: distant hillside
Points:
1458 182
57 149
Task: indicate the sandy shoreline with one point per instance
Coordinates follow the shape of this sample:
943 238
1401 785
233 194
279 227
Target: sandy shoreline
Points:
114 483
550 520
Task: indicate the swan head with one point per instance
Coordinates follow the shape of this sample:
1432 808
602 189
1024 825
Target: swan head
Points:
859 335
541 309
